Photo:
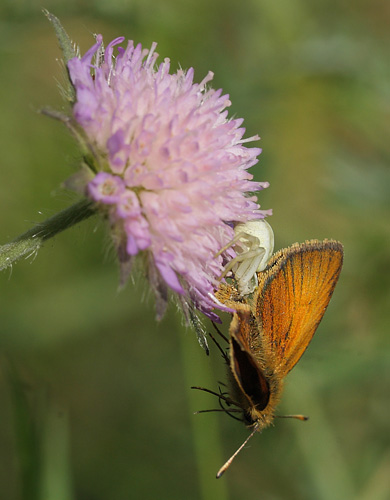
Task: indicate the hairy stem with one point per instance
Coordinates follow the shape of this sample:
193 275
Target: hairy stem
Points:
29 242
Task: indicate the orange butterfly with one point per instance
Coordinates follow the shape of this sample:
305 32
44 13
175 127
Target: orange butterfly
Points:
271 330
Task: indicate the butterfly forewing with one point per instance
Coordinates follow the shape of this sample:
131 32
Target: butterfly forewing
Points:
249 377
292 297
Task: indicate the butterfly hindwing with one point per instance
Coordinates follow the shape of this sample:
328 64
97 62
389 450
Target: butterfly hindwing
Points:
293 294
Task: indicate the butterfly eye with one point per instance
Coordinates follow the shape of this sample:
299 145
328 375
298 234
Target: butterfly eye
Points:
248 420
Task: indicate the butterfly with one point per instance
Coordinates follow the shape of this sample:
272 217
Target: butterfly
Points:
271 329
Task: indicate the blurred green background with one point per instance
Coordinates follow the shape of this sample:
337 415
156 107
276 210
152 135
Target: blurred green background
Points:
95 399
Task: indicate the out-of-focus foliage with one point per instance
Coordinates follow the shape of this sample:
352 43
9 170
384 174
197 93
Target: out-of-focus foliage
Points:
95 398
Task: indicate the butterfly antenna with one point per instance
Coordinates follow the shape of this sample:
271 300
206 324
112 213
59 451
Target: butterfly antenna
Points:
227 464
303 418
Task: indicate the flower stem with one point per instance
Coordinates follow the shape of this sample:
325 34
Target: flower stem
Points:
29 242
207 440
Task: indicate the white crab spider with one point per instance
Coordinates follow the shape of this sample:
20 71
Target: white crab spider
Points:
254 244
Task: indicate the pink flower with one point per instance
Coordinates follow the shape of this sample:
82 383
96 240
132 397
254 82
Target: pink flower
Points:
172 168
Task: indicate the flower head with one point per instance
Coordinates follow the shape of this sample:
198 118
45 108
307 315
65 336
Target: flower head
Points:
171 168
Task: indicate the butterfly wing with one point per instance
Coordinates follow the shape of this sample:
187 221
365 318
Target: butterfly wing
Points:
293 294
252 388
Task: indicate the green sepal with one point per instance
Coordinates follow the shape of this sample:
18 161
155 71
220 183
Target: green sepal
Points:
68 49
